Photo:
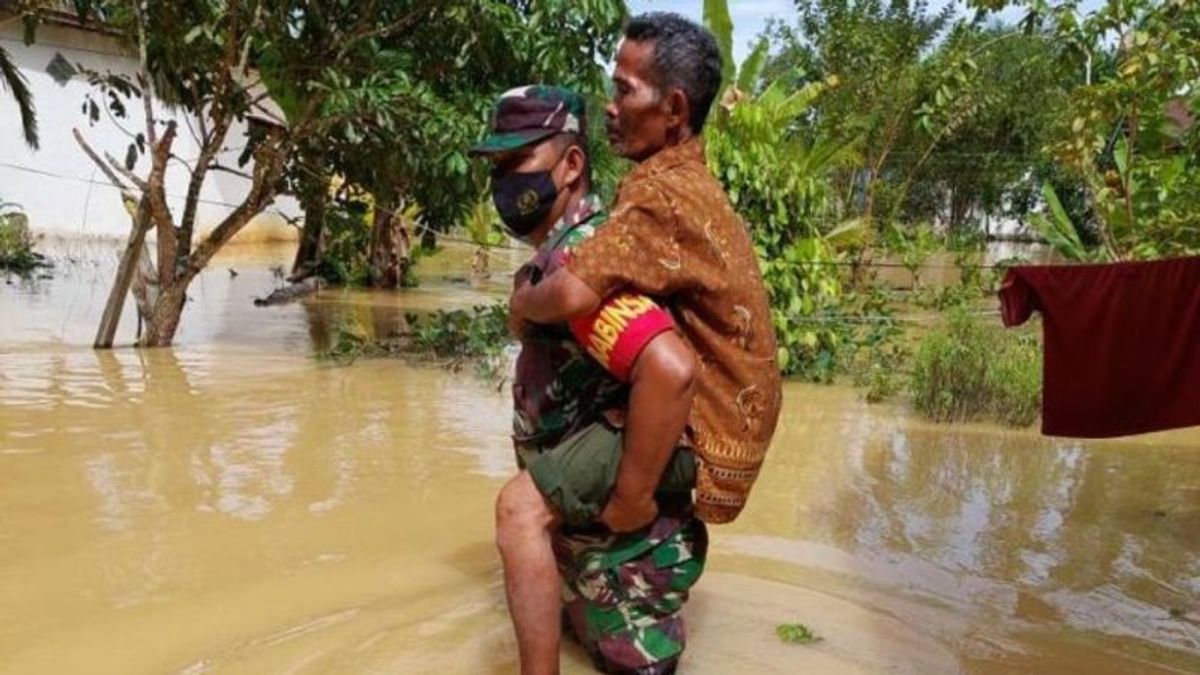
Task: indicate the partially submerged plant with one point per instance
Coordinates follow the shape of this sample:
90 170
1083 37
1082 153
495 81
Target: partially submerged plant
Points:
797 634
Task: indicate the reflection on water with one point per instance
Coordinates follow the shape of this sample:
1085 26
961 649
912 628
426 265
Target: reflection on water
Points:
234 506
997 530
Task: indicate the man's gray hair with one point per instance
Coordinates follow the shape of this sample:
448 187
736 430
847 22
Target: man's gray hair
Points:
686 56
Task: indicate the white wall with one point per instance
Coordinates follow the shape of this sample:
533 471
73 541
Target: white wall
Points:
59 187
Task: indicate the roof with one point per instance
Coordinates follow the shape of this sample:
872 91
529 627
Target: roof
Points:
59 13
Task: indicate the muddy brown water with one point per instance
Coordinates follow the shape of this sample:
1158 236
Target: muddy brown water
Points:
234 506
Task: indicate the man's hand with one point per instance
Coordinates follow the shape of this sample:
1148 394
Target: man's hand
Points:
627 515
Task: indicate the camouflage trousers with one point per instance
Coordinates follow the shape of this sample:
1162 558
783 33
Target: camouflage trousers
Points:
624 594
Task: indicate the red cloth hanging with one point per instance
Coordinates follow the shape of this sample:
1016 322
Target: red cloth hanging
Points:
1122 344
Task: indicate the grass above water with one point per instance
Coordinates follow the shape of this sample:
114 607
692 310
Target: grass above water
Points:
966 370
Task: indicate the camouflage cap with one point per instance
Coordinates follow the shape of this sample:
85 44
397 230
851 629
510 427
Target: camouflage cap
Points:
529 114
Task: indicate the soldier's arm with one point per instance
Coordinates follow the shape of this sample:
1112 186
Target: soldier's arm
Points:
559 298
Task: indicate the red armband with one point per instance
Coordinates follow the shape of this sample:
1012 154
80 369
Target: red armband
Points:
616 334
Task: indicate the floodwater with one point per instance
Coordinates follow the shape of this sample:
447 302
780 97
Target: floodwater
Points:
234 506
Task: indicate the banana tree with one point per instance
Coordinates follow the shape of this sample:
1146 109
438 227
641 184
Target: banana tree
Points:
736 81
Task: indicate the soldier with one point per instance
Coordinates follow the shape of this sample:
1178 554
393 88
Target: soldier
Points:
621 592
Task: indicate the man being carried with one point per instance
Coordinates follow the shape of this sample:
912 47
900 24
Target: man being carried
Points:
674 236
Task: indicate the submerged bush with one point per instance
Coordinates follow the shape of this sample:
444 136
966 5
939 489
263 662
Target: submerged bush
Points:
455 338
966 370
476 337
16 242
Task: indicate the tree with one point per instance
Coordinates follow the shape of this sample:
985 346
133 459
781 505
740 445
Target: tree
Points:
1129 131
387 94
875 51
450 73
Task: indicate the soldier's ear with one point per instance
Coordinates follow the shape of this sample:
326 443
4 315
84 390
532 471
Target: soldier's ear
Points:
575 163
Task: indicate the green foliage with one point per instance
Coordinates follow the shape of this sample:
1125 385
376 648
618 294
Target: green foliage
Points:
966 370
350 342
1056 228
347 242
913 247
876 54
483 224
751 70
453 338
717 20
880 358
989 129
403 108
16 242
461 334
797 634
460 337
1127 131
387 95
12 80
788 211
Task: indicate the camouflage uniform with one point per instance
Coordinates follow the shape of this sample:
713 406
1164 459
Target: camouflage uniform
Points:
623 594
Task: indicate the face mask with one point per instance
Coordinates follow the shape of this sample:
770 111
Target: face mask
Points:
523 200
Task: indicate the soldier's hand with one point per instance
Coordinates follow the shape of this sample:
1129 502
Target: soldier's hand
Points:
517 325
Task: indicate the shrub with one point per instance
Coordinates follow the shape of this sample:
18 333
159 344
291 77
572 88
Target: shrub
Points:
965 371
456 338
16 242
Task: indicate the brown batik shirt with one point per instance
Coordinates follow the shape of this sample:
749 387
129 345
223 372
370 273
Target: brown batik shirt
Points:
674 236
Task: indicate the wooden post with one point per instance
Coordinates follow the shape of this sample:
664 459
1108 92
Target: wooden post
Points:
140 215
128 266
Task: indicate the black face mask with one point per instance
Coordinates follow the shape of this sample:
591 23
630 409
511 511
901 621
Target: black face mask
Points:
523 200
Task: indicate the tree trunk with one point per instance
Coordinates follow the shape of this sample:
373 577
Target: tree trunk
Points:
314 199
390 246
164 319
960 206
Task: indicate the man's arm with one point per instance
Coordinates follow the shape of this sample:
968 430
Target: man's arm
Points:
663 385
558 298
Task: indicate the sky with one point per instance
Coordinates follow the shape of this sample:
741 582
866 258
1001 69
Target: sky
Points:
750 16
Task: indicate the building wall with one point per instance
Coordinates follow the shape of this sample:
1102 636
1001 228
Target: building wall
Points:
60 189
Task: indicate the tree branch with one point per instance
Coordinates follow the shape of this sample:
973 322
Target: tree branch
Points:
133 178
268 169
383 31
104 167
208 152
235 172
157 199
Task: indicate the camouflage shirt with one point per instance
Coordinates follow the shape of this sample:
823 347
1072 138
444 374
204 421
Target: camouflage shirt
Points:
559 388
623 595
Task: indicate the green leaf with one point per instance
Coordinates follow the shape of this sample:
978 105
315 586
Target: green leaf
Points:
752 68
1058 229
717 20
1121 157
